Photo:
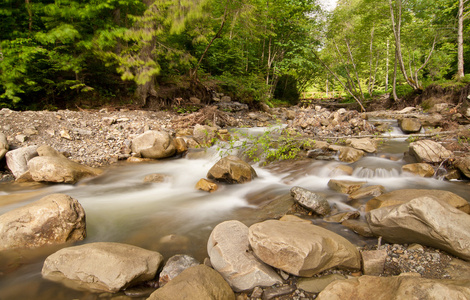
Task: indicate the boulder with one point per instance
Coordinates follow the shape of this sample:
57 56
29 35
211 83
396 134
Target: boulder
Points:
397 287
364 192
206 185
420 169
345 186
429 151
426 220
59 169
3 145
230 255
311 201
365 144
154 144
196 283
350 155
17 160
174 266
463 164
231 169
54 219
409 125
98 267
405 195
301 248
180 145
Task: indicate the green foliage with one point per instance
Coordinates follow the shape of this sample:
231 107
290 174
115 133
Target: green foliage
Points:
247 89
272 145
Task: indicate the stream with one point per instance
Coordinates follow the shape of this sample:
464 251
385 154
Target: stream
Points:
172 217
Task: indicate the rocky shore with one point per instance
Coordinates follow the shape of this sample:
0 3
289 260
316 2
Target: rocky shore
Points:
422 235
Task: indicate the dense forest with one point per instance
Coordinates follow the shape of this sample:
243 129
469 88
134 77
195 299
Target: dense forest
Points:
57 52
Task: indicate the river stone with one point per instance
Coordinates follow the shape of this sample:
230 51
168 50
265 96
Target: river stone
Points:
230 255
301 248
54 219
310 200
17 160
463 164
174 266
206 185
420 169
154 144
345 186
425 220
373 261
358 226
195 283
59 169
107 267
405 195
3 145
363 192
204 134
46 150
397 287
341 217
231 169
180 145
409 125
365 144
350 155
429 151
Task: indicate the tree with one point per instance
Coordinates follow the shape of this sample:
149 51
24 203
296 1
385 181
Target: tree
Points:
460 55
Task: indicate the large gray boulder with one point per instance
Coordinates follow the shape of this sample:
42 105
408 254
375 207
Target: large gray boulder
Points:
230 254
17 160
428 221
310 200
231 169
396 287
59 169
429 151
107 267
410 125
154 144
53 219
405 195
301 248
195 283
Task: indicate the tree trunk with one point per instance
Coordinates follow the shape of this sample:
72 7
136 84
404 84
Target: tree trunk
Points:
460 70
386 72
394 80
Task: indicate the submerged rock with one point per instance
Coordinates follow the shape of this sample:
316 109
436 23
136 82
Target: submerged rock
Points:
310 200
426 220
230 255
301 248
107 267
232 169
54 219
196 283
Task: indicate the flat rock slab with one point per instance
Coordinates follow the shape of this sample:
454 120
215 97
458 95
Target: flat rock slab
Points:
301 248
427 221
397 287
230 255
54 219
195 283
107 267
405 195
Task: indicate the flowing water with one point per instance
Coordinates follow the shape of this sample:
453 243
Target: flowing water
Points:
172 217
